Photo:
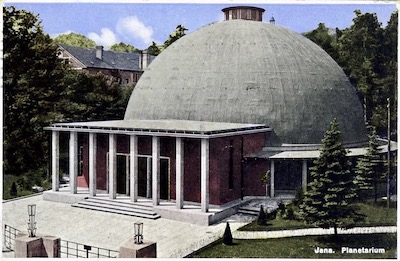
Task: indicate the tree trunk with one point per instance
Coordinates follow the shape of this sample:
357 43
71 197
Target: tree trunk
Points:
335 230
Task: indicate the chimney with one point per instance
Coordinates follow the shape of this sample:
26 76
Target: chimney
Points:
144 60
99 52
244 13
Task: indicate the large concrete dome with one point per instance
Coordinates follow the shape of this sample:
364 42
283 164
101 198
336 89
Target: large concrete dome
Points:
250 72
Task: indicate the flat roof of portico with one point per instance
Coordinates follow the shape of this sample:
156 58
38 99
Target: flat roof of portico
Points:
178 128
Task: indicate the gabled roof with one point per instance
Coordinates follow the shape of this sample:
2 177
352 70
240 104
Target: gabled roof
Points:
111 60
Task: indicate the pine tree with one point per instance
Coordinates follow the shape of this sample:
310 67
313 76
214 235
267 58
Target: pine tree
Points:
369 169
327 201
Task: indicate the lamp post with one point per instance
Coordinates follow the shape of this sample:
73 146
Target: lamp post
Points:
388 156
138 233
32 222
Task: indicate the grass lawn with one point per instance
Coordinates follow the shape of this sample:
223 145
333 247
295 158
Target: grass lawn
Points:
376 215
303 247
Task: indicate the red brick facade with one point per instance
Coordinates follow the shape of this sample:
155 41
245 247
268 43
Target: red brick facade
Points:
229 170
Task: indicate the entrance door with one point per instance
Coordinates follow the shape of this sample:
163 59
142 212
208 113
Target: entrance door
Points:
122 174
144 165
288 175
164 179
145 175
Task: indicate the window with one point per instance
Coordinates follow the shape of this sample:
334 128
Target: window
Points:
231 164
80 160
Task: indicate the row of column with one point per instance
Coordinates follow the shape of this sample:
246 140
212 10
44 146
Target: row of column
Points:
303 176
112 167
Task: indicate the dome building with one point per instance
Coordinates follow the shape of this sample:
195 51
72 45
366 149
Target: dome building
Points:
211 115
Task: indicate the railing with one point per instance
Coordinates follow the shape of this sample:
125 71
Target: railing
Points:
76 250
10 234
68 249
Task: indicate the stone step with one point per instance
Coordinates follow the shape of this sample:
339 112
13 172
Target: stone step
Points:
248 211
117 207
116 211
117 203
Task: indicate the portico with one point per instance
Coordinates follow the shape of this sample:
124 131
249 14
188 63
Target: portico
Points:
136 134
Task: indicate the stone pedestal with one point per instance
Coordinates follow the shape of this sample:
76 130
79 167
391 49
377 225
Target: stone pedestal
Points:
39 246
131 250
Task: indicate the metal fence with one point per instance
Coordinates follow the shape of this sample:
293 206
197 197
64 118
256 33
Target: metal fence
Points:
68 249
76 250
10 234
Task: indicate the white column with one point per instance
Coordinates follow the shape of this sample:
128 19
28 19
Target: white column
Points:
73 161
55 160
112 166
133 168
304 175
156 170
272 179
205 160
148 178
179 161
92 164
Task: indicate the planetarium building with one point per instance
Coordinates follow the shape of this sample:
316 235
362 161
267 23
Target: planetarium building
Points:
212 114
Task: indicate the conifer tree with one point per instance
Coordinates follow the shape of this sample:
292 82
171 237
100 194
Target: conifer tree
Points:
262 217
327 201
369 169
227 238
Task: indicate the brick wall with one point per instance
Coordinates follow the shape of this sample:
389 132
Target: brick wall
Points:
226 156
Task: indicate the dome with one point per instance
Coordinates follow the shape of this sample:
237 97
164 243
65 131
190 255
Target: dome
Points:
244 71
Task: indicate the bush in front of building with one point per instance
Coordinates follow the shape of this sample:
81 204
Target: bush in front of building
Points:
227 238
262 217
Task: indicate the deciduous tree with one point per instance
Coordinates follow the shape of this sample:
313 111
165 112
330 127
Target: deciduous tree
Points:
75 39
123 47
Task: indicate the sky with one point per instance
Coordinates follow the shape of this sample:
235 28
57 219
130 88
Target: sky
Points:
140 23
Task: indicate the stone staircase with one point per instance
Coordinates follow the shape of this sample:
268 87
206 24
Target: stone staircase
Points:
117 207
247 210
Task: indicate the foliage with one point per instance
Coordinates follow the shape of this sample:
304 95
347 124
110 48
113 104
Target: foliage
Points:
39 89
369 169
299 197
13 190
375 215
227 238
154 49
366 53
74 39
32 73
262 218
123 47
175 35
287 211
327 201
325 38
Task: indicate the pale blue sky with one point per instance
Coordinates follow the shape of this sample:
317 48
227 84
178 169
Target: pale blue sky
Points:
139 24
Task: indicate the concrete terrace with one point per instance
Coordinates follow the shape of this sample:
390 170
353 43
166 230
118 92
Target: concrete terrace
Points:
174 239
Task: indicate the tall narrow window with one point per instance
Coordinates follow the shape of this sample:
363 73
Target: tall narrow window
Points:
80 161
231 164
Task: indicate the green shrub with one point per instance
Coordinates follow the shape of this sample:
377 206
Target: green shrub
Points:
13 190
227 238
262 217
298 199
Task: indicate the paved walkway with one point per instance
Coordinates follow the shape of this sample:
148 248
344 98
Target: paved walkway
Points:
310 232
174 239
